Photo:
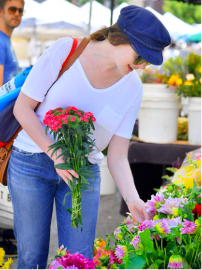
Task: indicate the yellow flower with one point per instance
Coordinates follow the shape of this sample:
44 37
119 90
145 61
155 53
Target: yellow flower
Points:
190 77
8 263
175 212
2 253
188 83
178 81
199 70
173 79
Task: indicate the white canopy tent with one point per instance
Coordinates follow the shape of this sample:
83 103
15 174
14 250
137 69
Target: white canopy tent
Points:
175 26
100 15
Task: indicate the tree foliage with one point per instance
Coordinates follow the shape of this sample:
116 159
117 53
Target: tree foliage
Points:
189 13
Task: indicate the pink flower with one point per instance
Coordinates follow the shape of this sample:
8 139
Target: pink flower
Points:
189 227
72 119
162 227
154 203
175 262
120 251
170 204
135 241
113 258
145 224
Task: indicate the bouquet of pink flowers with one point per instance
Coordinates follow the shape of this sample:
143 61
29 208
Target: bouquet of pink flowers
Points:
71 129
66 260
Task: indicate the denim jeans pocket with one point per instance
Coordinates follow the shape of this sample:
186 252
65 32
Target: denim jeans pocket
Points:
21 152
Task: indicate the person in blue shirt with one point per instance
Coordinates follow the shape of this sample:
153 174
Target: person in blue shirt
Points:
11 12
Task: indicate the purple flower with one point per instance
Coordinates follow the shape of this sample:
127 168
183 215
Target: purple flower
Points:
162 227
120 251
189 227
55 265
154 203
175 262
135 241
172 223
145 224
170 203
129 223
118 234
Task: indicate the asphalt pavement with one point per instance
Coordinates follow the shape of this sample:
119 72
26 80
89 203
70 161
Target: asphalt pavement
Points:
108 220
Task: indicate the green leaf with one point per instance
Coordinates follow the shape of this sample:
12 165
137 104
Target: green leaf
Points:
63 166
185 264
146 241
152 266
170 246
136 262
186 210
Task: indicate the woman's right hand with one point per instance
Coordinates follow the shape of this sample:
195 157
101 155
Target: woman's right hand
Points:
65 174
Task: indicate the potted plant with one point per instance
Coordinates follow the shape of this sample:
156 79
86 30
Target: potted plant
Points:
187 83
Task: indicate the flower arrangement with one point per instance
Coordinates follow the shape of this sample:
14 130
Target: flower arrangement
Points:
4 265
71 129
66 260
170 240
184 75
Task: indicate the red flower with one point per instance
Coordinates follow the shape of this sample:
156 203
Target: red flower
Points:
197 211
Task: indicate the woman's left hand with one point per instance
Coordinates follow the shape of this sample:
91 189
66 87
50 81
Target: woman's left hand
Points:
137 208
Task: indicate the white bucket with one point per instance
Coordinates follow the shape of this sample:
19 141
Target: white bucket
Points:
158 114
108 185
194 120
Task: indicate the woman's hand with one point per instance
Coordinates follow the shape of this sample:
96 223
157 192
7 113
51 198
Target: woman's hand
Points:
137 208
65 174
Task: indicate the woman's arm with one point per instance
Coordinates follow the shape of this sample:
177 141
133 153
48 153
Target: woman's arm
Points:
119 167
24 113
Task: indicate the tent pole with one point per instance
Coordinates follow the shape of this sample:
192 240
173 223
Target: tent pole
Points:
90 14
112 9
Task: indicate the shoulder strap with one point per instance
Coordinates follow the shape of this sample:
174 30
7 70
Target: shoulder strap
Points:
66 65
74 45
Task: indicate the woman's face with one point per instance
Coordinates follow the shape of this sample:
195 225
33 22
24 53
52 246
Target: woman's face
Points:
125 57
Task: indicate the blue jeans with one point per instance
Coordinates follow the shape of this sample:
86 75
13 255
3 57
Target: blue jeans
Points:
33 184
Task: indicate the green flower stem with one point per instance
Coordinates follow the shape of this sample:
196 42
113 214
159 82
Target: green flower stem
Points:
156 243
165 258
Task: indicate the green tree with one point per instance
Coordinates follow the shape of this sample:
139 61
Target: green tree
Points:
187 12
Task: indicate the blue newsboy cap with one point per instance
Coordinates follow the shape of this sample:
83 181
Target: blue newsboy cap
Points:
146 32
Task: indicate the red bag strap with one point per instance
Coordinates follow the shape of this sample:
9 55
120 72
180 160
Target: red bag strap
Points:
74 45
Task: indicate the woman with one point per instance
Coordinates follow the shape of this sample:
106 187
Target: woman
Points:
101 81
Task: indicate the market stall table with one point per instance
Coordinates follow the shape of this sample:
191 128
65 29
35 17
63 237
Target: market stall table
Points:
148 162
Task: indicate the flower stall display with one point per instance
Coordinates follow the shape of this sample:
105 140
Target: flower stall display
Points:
65 260
71 128
190 170
171 239
4 265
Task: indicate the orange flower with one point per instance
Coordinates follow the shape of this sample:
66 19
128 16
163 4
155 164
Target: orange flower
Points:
173 79
199 70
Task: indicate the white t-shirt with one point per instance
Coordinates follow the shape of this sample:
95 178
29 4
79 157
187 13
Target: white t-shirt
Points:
115 108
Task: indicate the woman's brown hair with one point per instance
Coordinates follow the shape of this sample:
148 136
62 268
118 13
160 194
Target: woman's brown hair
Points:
112 33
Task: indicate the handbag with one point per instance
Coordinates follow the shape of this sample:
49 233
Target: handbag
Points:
5 150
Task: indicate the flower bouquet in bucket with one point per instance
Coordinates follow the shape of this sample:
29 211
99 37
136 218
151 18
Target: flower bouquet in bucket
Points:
71 128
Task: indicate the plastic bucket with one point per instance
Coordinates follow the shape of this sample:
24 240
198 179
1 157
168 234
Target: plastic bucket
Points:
158 114
108 185
194 120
